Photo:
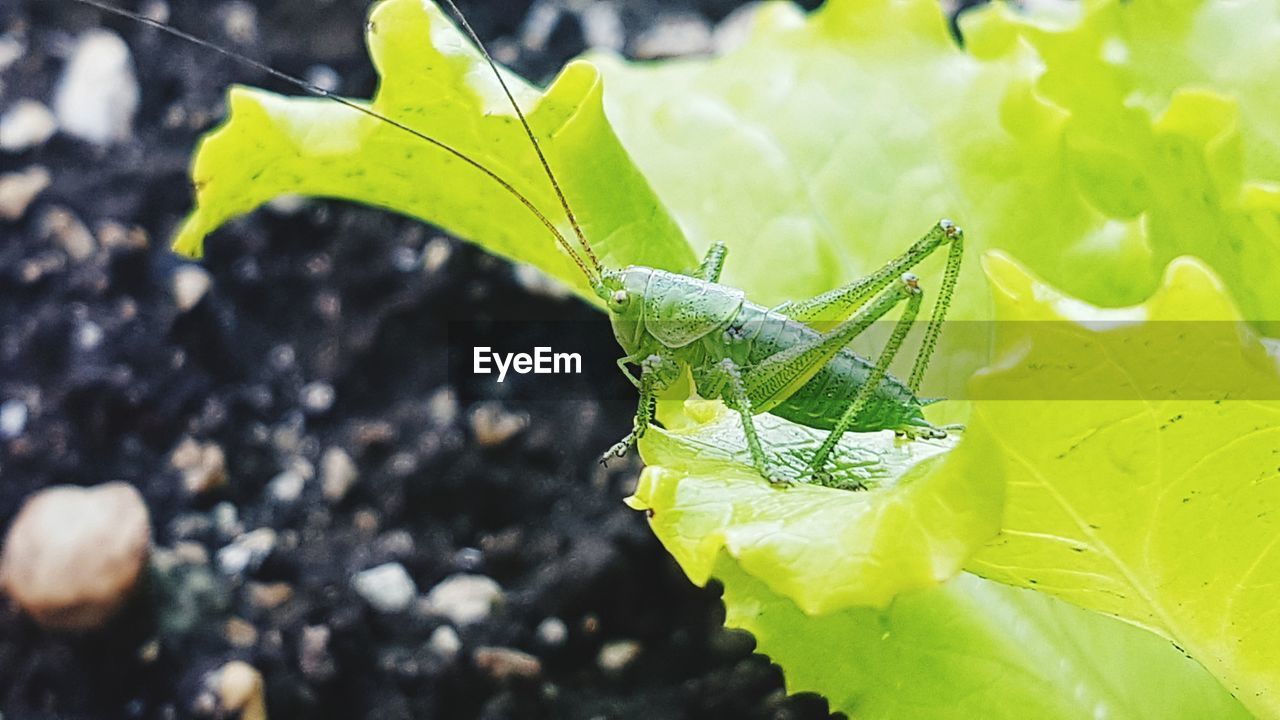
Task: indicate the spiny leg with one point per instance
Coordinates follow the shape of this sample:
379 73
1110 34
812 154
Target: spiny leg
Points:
839 303
713 263
913 295
778 376
735 396
657 374
954 255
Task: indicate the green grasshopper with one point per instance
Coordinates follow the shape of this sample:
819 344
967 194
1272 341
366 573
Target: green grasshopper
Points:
755 359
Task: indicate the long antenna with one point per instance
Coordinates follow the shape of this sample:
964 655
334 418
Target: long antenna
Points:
564 203
321 92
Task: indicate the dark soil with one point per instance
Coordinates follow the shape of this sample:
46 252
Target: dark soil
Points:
332 296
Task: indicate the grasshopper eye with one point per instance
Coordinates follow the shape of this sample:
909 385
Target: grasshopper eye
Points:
619 298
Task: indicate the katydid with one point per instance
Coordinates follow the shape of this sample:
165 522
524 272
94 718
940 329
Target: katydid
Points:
755 359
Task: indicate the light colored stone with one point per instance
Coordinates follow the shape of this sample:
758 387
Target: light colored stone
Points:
323 77
674 36
552 632
338 474
248 552
97 95
287 487
89 335
65 230
493 425
444 642
537 282
602 26
618 655
189 286
73 555
387 588
270 595
314 658
240 691
203 465
11 48
240 633
114 236
317 397
19 189
442 407
26 124
464 599
240 22
538 25
505 664
13 418
436 254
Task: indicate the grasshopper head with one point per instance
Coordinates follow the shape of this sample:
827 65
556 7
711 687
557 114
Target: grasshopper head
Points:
623 295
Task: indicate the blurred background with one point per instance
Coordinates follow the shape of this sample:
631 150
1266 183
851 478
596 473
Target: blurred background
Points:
340 523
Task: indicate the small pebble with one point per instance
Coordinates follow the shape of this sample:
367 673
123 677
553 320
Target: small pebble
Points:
617 655
73 555
602 26
13 419
338 474
19 189
317 397
116 237
324 77
539 23
282 357
65 230
674 36
89 335
468 558
97 95
387 588
537 282
444 642
506 664
464 599
240 22
552 632
236 690
11 48
314 658
226 520
287 487
203 465
436 254
269 596
26 124
247 553
157 10
493 425
189 286
240 633
442 407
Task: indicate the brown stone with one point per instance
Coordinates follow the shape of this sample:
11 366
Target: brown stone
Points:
73 555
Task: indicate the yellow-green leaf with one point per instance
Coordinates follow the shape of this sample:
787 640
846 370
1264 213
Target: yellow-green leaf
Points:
1150 489
435 82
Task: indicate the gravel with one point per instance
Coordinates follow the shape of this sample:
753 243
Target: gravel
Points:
116 369
98 93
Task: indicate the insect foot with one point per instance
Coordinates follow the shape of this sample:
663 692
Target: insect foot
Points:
619 450
778 481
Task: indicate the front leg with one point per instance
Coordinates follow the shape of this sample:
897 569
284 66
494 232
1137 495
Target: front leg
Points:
656 374
734 394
